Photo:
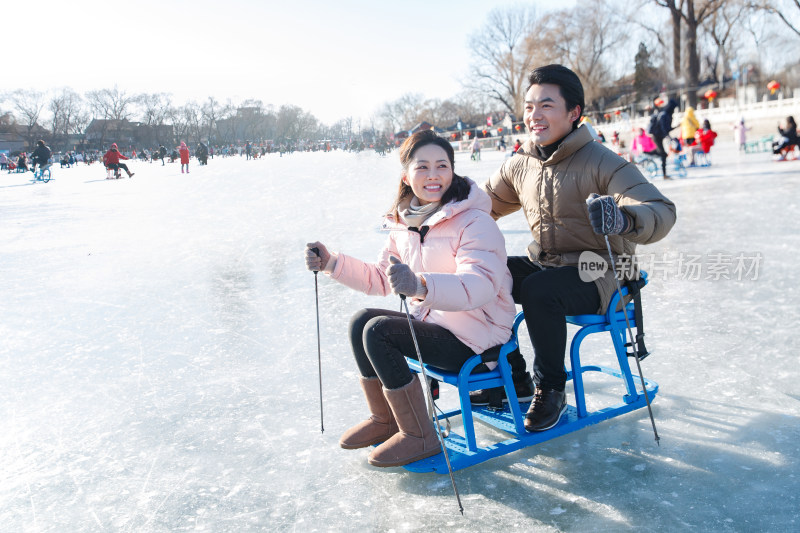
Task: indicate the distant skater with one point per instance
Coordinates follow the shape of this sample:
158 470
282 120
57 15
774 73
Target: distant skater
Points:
184 151
740 134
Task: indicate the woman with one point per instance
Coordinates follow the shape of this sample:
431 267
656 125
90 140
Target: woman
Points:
446 254
642 144
705 140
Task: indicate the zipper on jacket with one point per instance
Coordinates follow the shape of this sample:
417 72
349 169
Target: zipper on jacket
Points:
422 232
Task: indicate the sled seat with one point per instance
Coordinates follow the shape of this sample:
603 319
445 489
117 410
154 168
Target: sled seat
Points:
465 381
464 452
789 152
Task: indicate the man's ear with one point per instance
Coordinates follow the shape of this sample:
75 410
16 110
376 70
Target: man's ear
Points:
575 113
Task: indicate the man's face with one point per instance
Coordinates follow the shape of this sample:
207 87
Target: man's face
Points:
546 115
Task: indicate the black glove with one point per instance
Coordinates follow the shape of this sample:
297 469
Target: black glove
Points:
404 281
317 260
606 218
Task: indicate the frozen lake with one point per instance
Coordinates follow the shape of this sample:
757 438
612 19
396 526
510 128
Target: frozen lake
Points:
158 360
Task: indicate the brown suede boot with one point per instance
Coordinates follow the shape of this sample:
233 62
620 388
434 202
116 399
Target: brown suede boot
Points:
379 426
417 438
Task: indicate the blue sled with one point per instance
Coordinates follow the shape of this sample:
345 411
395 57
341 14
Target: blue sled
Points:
461 457
464 451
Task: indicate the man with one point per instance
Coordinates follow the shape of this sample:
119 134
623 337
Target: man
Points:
555 180
660 128
40 156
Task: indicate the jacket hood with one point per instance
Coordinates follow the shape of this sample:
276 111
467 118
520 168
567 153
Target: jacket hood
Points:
671 105
114 146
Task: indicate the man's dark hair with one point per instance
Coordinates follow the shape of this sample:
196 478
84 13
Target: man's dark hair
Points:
569 85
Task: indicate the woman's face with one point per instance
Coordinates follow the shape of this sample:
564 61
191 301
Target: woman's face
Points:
429 173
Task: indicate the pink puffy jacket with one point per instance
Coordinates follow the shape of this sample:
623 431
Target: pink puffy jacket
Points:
463 260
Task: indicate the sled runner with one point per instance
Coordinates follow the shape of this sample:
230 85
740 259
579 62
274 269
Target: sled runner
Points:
464 451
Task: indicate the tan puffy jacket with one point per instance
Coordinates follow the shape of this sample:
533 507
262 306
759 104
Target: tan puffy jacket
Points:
552 195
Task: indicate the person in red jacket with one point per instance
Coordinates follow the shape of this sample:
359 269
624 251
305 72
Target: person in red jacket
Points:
704 138
111 160
184 151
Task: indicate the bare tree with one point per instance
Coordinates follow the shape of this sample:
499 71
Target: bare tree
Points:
402 114
691 13
294 124
723 30
586 44
68 116
154 107
211 111
192 118
111 104
783 10
503 53
28 105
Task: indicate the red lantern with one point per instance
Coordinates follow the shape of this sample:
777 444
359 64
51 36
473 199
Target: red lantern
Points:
710 95
617 112
454 135
469 134
773 86
517 127
659 101
484 133
606 116
499 130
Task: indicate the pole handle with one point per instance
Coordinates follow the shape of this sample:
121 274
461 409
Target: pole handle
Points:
316 251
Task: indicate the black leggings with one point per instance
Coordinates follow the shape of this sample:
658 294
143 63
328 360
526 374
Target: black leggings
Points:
381 339
547 296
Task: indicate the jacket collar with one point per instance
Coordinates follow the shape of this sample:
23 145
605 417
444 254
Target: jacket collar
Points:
571 144
477 199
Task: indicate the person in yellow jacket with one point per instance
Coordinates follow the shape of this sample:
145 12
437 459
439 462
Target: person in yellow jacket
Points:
689 126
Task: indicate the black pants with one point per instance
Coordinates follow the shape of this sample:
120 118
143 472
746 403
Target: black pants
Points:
662 152
381 339
547 296
115 166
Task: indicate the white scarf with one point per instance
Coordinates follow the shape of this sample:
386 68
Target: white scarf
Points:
414 215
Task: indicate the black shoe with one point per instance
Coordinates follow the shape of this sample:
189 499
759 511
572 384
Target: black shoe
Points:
497 396
546 409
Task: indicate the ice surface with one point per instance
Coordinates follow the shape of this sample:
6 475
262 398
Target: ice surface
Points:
158 361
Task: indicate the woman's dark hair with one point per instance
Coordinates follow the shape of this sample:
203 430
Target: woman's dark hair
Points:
569 85
459 187
706 125
790 122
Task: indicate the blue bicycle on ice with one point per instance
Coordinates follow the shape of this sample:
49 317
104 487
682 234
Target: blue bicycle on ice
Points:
42 174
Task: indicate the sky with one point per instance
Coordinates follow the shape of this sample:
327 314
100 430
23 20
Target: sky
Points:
333 59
